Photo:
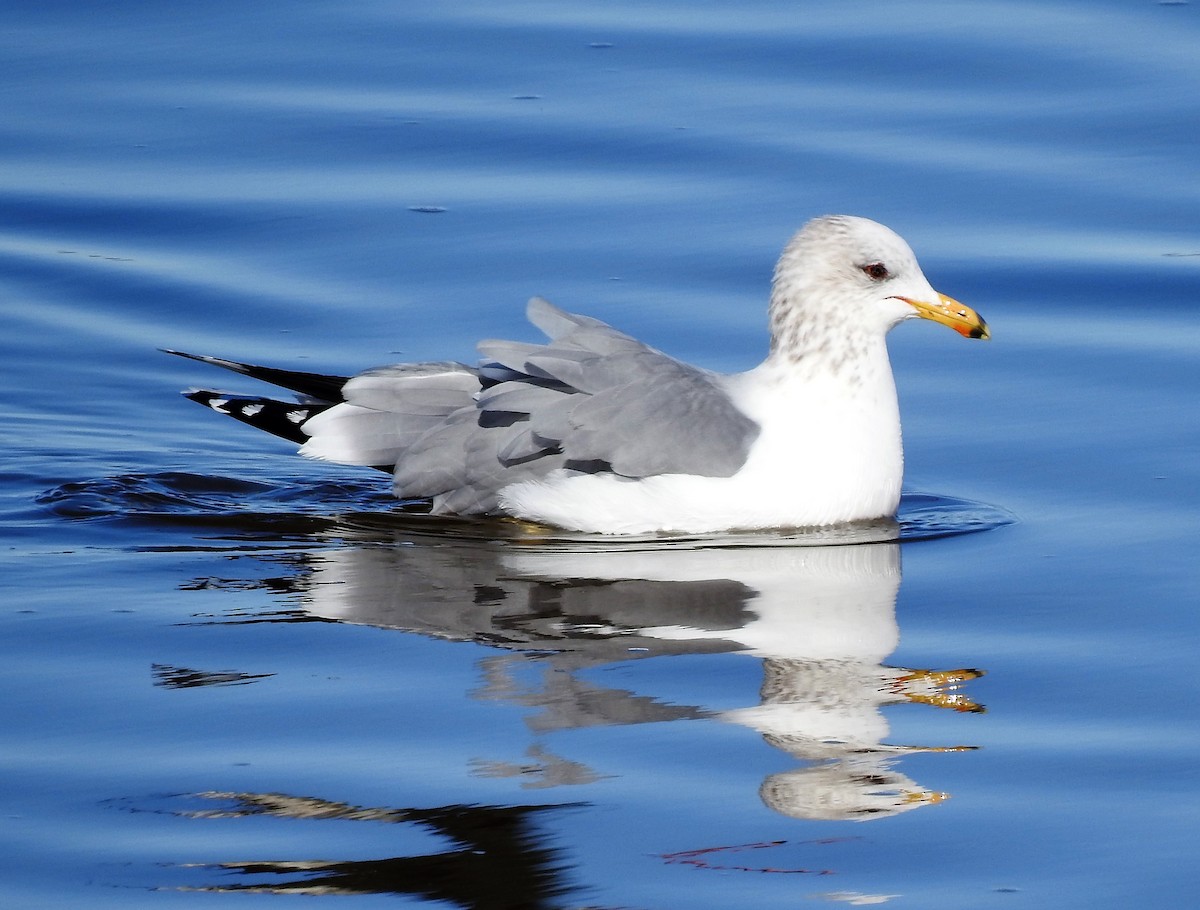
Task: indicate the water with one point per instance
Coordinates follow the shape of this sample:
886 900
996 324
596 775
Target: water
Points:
227 671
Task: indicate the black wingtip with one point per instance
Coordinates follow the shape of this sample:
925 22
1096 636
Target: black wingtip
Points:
203 358
319 386
279 418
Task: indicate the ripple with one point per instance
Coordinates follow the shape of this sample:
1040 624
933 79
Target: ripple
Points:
927 516
365 509
179 497
922 516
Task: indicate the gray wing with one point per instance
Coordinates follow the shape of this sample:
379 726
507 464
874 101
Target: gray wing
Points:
592 399
598 396
387 410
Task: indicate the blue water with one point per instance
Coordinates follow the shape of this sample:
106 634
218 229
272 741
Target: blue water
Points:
227 672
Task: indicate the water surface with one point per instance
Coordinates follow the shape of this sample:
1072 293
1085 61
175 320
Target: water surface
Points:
227 671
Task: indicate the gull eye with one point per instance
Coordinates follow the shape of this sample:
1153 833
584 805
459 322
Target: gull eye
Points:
876 271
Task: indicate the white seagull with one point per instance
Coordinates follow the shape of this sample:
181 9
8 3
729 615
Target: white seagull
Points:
595 431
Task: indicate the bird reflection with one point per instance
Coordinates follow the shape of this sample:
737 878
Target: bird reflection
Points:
820 619
496 857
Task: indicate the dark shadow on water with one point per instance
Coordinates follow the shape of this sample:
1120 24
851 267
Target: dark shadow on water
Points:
495 858
171 677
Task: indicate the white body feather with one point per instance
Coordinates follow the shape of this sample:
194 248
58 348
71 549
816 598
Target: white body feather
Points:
828 452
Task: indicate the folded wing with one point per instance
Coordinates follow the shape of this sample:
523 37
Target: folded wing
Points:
591 399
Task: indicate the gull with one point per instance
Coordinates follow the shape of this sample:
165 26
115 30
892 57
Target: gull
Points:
595 431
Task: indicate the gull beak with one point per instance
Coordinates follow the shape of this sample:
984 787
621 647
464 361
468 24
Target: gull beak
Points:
949 311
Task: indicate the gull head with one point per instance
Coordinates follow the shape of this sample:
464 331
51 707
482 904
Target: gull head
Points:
842 278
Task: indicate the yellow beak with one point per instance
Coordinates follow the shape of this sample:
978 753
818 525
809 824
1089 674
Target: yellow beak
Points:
949 311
